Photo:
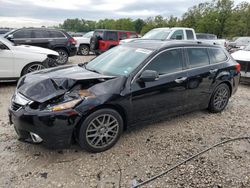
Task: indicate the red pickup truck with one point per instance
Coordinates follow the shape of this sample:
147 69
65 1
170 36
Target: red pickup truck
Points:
104 39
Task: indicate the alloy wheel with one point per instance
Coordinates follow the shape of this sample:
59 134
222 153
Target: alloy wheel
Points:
221 98
35 67
102 131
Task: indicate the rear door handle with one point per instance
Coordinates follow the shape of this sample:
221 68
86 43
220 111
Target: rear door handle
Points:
180 80
213 71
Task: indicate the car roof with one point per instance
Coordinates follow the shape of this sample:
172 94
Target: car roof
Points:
159 44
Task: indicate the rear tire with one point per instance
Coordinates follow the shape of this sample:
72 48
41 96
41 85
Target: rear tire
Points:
100 130
84 50
63 57
219 99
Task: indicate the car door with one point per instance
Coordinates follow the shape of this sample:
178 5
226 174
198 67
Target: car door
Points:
6 62
23 36
41 38
164 96
200 76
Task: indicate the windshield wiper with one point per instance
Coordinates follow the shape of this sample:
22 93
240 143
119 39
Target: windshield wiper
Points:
85 66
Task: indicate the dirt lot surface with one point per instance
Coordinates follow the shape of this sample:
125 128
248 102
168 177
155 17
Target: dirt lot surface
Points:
142 152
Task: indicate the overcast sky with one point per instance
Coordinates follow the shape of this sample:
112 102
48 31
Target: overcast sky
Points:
20 13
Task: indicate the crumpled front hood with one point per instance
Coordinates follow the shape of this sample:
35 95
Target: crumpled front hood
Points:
49 83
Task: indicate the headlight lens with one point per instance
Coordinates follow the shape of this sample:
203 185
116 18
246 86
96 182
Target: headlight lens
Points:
66 105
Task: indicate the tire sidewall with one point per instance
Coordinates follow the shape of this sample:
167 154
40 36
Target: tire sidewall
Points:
62 50
82 131
84 46
212 108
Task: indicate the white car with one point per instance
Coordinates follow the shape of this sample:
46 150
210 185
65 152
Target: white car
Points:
17 60
83 43
243 58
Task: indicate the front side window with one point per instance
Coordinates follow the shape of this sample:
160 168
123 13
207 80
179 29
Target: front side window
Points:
111 35
178 35
120 60
22 34
123 36
197 57
167 62
217 55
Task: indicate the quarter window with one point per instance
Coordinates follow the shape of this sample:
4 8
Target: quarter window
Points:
197 57
217 55
23 34
56 34
167 62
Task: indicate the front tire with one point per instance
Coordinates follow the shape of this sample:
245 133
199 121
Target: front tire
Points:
32 67
100 130
84 50
219 99
63 57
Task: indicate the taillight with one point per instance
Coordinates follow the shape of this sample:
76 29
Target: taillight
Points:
237 66
72 41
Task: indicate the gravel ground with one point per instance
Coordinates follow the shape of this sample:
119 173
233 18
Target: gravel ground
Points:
141 153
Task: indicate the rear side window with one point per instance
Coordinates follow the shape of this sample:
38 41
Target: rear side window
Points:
23 34
41 34
197 57
217 55
167 62
56 34
178 35
190 34
111 35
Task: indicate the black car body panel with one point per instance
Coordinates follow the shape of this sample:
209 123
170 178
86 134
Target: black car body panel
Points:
136 101
43 37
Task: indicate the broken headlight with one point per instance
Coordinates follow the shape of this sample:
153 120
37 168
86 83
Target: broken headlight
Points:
71 99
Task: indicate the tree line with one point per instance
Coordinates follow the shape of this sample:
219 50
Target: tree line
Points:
220 17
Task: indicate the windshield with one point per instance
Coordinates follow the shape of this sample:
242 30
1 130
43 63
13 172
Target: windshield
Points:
157 34
242 41
118 61
89 34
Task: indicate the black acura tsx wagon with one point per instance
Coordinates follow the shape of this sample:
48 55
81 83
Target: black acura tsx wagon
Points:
92 103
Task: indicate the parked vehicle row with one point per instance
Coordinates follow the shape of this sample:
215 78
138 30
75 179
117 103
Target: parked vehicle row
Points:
92 103
53 39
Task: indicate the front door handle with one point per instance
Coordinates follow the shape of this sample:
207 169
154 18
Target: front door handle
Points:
180 80
213 71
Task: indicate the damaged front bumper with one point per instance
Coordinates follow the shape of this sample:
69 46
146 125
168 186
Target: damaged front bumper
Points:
53 129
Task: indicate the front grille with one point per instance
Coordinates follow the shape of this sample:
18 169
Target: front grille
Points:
15 106
244 66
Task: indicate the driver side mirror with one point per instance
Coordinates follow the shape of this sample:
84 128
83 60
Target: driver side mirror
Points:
149 76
